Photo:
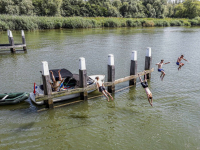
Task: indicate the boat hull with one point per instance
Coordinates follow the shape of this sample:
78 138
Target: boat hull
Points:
67 97
13 98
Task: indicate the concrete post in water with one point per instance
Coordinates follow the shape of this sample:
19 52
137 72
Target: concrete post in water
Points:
133 68
111 73
11 40
82 78
46 85
148 61
23 39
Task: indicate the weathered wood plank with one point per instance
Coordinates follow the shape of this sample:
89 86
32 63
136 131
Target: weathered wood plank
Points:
8 46
88 88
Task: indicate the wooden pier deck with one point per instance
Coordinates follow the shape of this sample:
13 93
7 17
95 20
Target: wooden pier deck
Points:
12 46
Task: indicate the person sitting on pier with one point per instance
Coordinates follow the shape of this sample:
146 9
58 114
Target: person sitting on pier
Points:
179 63
101 88
145 86
56 83
160 68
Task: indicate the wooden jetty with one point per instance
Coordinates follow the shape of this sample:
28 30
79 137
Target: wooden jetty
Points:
12 46
48 95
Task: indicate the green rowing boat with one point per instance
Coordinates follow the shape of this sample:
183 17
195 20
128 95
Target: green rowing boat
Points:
13 98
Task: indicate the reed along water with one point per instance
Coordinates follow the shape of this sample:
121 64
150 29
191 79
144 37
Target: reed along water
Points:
128 122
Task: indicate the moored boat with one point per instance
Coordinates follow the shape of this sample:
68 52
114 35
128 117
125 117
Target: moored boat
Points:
13 98
71 81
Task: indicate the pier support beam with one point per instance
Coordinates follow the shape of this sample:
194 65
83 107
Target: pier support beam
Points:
46 85
23 40
111 73
133 68
148 61
83 78
11 41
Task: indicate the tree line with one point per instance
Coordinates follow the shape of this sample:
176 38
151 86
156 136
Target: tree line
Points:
102 8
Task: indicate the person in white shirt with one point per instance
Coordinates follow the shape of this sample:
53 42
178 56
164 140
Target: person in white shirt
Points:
145 86
160 68
101 88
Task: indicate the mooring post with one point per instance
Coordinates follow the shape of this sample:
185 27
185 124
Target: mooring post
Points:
133 68
23 40
11 40
46 85
148 61
111 73
83 78
8 33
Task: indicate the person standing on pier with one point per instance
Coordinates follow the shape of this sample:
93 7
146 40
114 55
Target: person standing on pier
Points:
56 83
145 86
101 88
179 63
160 68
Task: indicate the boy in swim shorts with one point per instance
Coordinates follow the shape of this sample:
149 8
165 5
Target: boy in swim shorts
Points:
101 88
145 86
160 68
179 63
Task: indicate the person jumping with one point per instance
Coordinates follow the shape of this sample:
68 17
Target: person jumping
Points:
145 86
179 63
160 68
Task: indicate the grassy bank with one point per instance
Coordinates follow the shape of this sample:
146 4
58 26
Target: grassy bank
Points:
33 23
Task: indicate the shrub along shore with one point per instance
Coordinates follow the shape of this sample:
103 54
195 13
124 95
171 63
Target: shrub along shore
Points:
35 22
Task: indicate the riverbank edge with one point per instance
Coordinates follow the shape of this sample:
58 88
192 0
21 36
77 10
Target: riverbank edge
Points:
35 22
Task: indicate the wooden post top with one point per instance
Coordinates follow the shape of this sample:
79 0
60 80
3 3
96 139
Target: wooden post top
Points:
148 52
111 59
45 68
82 65
22 33
134 55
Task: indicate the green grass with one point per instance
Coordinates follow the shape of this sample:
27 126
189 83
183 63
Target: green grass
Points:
35 23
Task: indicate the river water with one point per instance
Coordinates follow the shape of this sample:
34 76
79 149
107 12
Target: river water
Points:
129 122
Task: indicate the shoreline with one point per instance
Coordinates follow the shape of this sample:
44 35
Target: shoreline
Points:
37 23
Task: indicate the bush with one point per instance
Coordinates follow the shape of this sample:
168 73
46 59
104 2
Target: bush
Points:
3 25
193 22
148 24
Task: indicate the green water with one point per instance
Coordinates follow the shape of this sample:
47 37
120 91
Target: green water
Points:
129 122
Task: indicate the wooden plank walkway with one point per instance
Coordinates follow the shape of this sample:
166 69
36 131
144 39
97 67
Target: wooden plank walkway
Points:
88 88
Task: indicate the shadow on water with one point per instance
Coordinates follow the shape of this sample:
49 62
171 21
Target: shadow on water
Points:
25 127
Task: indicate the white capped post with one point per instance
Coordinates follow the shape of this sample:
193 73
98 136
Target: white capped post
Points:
82 65
148 52
46 85
134 55
111 72
45 68
23 40
148 61
111 59
82 78
22 33
10 34
133 68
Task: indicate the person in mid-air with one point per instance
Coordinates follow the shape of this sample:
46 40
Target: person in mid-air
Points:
101 88
160 68
179 63
55 85
145 86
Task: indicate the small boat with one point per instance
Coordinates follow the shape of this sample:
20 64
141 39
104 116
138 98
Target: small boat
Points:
13 98
71 81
